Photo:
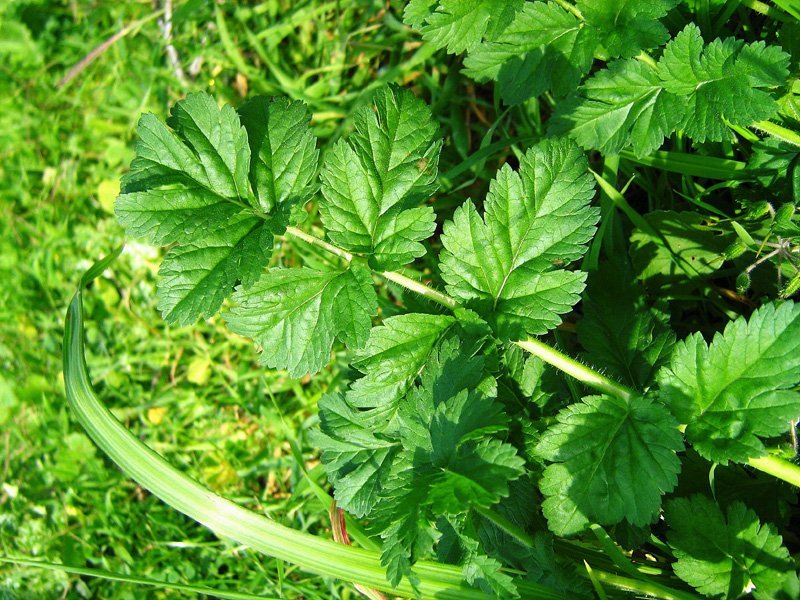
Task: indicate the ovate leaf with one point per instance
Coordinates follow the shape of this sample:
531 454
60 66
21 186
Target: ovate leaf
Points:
294 315
726 555
374 182
545 47
679 251
613 460
727 79
507 266
737 389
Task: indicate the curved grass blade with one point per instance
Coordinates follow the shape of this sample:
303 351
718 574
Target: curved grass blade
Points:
310 553
111 576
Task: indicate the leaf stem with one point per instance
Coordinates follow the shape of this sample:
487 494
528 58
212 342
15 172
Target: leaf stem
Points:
776 131
569 7
572 367
315 241
421 288
777 467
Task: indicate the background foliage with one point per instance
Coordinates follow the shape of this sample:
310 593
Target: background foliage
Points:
197 395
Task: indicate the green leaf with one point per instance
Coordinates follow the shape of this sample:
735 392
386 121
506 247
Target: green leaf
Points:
356 460
507 266
737 389
283 149
459 25
620 106
191 188
395 353
728 554
294 315
374 182
685 249
545 47
726 79
626 28
613 460
621 335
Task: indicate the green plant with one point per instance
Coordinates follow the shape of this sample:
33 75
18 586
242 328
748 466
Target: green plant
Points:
448 438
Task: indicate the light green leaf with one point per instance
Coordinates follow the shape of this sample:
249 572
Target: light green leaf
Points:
726 555
507 267
737 389
620 106
373 183
613 460
727 79
294 315
460 25
191 187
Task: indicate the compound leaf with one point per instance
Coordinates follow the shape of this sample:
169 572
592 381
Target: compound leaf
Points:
460 25
737 388
726 79
613 460
192 188
294 315
374 182
524 57
620 106
726 555
507 266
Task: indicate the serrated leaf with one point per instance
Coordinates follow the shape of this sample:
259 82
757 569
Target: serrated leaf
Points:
394 355
613 460
620 106
542 40
622 337
726 554
459 25
374 182
191 188
726 79
626 28
484 572
294 315
506 266
356 460
284 154
198 275
736 389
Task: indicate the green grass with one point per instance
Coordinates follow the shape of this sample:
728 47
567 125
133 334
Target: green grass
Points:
196 395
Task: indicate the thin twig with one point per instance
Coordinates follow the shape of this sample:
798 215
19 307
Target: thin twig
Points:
166 32
99 50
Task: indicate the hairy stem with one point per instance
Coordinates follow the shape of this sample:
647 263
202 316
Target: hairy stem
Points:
315 241
572 367
777 467
421 289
